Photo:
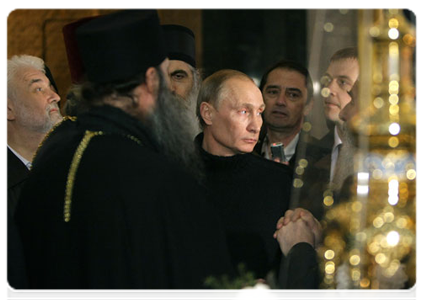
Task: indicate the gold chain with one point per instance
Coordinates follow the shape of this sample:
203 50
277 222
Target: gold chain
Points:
51 130
74 167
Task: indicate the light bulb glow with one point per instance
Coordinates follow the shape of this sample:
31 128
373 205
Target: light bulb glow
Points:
362 189
393 238
393 33
394 129
363 176
393 199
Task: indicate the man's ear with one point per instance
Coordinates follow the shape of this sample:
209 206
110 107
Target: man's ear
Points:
152 80
308 107
207 113
10 110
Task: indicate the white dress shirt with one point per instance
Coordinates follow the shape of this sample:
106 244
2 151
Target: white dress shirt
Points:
27 163
335 153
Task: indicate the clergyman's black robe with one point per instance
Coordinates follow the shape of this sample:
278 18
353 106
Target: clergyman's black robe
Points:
103 209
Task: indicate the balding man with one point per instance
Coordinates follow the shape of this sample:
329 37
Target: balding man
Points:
249 192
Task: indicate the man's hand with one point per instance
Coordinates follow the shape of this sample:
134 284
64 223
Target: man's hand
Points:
307 217
278 160
293 233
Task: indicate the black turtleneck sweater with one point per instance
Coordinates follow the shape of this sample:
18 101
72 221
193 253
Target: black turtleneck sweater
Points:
250 194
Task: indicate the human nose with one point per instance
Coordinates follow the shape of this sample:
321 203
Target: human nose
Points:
255 123
172 87
53 96
332 86
281 100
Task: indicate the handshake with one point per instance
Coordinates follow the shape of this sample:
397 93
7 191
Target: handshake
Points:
297 226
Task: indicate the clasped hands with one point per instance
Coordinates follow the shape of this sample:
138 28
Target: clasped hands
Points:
297 226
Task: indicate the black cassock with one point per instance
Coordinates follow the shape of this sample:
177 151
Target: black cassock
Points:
103 209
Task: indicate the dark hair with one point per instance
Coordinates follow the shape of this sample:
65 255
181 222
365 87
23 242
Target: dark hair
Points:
93 93
345 53
292 66
212 87
74 105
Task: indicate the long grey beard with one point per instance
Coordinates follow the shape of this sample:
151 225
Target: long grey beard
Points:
190 104
171 125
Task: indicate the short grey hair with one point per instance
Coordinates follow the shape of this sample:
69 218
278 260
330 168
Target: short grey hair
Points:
15 65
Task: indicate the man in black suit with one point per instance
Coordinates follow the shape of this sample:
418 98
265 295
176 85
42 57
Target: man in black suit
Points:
287 91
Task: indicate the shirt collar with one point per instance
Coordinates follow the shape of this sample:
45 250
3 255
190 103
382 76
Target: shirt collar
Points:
290 148
335 152
26 162
337 139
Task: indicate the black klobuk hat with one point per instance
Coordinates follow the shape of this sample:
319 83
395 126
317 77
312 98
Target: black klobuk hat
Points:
76 68
121 45
180 42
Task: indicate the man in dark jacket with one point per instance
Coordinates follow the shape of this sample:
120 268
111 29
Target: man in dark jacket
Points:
32 110
110 202
327 171
249 192
288 94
